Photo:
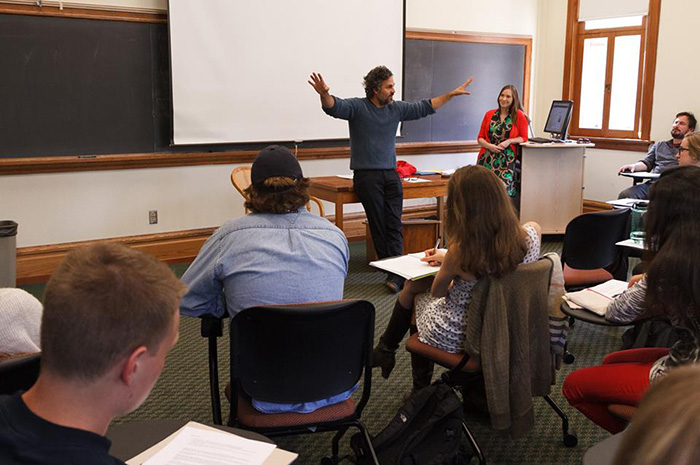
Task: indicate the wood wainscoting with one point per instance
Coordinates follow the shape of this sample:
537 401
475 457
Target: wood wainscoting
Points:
36 264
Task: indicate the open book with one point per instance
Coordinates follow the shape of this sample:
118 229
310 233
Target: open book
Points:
597 298
407 266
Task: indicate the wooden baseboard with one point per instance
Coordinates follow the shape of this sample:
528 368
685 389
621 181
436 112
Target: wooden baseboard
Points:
36 264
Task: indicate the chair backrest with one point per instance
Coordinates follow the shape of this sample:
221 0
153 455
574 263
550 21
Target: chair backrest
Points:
302 352
508 328
589 241
240 178
19 373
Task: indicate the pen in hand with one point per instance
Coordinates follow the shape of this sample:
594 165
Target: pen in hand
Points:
437 244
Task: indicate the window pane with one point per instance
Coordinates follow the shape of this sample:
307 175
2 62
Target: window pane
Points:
623 101
614 22
595 53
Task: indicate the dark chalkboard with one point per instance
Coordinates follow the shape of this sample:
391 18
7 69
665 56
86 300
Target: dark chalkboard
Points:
433 67
74 86
82 87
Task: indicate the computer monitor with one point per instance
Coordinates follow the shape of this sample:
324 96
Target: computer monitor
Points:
559 118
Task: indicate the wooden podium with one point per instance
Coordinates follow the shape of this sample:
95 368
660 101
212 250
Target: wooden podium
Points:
551 187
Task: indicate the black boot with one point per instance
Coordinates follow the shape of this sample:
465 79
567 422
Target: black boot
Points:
421 369
384 355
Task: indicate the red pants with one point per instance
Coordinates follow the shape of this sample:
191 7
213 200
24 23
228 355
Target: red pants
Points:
621 379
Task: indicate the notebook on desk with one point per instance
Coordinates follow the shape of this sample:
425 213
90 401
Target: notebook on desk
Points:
407 266
596 299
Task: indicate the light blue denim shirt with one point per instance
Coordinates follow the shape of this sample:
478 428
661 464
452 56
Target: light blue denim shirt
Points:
267 259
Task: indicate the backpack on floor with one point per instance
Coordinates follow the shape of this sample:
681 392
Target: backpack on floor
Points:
426 430
653 332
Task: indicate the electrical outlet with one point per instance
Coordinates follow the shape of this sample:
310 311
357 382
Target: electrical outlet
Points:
153 217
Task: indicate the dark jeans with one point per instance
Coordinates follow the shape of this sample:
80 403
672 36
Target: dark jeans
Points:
639 191
381 194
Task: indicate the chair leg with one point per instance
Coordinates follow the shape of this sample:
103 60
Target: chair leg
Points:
568 436
473 443
214 381
336 443
368 441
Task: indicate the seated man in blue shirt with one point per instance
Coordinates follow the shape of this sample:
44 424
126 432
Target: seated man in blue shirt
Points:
661 155
110 317
278 254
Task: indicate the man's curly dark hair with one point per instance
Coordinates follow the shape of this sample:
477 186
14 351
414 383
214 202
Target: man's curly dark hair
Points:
373 80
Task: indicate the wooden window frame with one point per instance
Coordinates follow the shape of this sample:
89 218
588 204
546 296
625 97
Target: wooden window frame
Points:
639 139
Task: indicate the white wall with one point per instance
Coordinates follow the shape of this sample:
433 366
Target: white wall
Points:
65 207
674 90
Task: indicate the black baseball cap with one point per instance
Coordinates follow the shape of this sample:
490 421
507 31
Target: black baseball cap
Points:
274 161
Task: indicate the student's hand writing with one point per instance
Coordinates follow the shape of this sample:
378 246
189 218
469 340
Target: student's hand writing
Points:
434 257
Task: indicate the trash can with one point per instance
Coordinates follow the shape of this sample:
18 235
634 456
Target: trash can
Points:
8 253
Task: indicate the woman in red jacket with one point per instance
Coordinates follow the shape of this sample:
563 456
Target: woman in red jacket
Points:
501 130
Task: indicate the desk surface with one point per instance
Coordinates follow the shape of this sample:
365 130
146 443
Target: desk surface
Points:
336 184
340 191
557 145
130 439
589 317
640 175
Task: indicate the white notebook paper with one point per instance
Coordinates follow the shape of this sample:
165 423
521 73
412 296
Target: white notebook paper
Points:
597 298
407 266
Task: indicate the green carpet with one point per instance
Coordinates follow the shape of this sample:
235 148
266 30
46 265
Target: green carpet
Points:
183 389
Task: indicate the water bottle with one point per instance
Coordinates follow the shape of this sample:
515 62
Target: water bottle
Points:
637 223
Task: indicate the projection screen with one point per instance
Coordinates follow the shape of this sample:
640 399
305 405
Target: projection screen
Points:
240 68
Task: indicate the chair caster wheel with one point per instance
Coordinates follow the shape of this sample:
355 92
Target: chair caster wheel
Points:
569 358
570 439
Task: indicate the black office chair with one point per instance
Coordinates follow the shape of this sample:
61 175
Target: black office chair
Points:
525 309
19 373
299 353
589 255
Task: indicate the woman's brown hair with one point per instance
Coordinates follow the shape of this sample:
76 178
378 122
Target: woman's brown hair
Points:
481 223
279 195
514 106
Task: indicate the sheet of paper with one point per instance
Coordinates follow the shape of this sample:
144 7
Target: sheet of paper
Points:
597 298
197 446
610 289
345 176
407 266
415 180
627 202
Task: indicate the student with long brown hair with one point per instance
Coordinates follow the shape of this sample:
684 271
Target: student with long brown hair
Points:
485 238
672 286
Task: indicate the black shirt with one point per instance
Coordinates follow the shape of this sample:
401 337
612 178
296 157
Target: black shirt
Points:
28 439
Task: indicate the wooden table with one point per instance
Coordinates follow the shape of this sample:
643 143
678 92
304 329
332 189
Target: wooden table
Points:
340 191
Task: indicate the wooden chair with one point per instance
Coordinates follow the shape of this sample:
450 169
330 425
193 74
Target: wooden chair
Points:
240 178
